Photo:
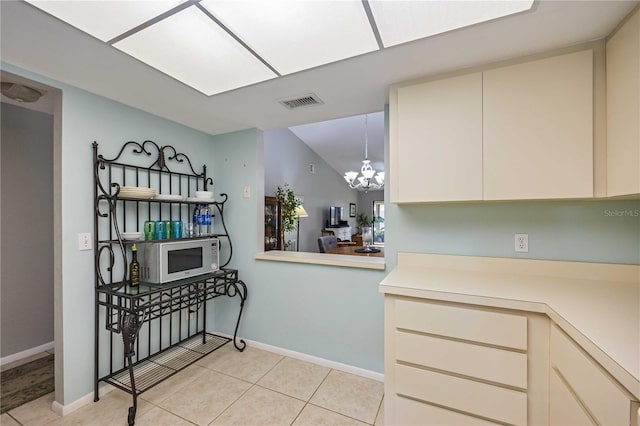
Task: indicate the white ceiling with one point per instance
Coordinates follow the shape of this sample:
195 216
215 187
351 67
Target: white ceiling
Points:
34 40
340 142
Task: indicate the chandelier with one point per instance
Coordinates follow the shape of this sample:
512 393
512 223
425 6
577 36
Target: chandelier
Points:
369 179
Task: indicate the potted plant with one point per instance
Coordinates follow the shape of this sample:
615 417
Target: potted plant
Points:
365 221
288 204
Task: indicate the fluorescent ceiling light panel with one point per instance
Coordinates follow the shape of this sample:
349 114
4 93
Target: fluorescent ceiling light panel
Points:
105 19
401 21
193 49
294 35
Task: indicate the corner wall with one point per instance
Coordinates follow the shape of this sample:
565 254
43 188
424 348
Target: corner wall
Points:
87 118
27 229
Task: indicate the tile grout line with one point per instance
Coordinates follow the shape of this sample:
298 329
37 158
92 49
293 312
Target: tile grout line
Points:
379 408
335 412
248 389
314 392
16 420
342 414
170 412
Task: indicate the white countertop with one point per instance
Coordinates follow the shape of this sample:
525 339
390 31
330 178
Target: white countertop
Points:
598 305
364 262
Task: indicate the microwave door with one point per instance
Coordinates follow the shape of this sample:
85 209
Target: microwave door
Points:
183 260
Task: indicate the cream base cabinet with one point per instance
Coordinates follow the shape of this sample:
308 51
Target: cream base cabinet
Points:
538 129
456 364
581 392
623 109
436 140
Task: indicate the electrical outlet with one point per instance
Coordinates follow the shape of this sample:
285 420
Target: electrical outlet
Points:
522 243
84 241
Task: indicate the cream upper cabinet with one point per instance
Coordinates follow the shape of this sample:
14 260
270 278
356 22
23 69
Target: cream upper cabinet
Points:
523 131
538 129
436 140
623 109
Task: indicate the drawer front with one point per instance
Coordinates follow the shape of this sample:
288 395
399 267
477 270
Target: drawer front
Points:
493 328
598 393
564 409
482 362
492 402
415 413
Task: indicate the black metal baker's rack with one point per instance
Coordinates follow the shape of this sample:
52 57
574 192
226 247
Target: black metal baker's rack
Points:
162 327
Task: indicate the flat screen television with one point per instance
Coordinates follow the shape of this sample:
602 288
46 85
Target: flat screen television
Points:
335 216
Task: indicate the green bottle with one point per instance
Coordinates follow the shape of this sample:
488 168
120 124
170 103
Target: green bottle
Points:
134 267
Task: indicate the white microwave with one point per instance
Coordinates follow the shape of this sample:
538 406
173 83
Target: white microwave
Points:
173 260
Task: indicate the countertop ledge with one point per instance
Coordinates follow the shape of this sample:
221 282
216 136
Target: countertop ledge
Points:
597 304
323 259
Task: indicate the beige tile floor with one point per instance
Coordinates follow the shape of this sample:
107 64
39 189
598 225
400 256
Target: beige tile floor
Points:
228 387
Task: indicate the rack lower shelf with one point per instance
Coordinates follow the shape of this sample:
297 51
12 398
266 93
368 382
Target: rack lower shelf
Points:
150 372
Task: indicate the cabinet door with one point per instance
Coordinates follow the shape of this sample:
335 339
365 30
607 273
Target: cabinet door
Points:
538 129
564 409
436 140
623 109
272 224
607 402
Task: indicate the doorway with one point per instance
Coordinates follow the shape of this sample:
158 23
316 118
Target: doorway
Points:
27 224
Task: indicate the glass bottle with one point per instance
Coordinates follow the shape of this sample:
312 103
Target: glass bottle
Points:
205 222
196 221
134 267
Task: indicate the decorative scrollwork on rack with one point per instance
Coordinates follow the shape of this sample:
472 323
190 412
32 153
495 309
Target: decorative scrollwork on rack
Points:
238 288
100 198
220 207
108 247
112 259
140 149
99 166
165 154
180 157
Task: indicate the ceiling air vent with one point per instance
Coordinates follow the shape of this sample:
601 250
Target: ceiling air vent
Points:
302 101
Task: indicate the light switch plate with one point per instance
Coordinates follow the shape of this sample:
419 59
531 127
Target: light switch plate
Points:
246 193
84 241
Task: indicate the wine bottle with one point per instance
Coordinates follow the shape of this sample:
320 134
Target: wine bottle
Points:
134 267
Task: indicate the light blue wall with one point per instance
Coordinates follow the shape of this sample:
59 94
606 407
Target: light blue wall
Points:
87 118
560 230
329 312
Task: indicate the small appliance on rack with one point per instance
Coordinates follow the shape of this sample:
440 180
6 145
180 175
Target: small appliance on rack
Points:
162 313
163 262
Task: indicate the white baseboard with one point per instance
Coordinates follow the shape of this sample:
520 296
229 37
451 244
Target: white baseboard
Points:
63 410
24 354
314 359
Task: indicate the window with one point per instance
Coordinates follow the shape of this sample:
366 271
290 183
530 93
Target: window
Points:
378 227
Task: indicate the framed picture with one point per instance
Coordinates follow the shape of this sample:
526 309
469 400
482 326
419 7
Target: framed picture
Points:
352 210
